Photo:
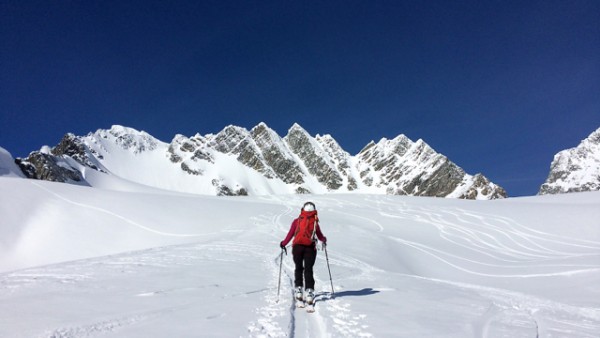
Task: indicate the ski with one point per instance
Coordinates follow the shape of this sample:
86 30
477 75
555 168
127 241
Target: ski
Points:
300 304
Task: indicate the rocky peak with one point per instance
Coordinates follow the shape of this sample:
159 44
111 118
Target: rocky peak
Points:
576 169
128 138
276 155
266 138
75 148
318 163
231 139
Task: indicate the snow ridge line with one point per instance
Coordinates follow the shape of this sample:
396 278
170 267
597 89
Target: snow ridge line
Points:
126 220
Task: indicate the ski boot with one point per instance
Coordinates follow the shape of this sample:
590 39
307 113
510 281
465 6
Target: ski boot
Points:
310 296
298 293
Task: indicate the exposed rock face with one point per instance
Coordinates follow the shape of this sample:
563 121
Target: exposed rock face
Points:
236 161
481 186
340 158
128 138
408 168
72 146
576 169
316 161
47 167
276 156
189 152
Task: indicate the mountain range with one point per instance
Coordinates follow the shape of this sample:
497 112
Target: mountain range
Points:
237 161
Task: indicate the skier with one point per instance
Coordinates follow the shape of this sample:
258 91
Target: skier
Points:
305 230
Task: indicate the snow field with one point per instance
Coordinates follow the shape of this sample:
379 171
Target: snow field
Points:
79 261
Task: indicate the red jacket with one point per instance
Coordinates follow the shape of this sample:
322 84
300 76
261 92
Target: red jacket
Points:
293 228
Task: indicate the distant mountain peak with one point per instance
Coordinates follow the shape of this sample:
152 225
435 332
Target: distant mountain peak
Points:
236 161
297 128
575 169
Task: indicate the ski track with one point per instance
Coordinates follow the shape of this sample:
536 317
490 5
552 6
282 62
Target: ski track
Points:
505 243
117 216
332 317
501 243
499 239
104 327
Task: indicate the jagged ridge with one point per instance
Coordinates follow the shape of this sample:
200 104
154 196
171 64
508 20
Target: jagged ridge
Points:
236 161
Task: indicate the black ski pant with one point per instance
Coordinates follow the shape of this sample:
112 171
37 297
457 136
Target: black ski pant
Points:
304 259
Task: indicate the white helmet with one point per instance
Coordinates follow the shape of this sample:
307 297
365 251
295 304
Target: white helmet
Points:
309 206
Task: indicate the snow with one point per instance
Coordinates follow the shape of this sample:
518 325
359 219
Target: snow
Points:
7 165
127 260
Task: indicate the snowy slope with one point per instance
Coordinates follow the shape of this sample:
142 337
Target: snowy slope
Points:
576 169
8 166
136 263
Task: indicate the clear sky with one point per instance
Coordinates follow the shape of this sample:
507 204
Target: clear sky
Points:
497 86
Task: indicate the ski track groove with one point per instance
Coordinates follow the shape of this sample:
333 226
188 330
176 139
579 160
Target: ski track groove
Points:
120 217
329 312
506 241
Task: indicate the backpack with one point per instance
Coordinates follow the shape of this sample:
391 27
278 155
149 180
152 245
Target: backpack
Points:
306 228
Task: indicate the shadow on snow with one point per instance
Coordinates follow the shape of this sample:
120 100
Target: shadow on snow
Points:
350 293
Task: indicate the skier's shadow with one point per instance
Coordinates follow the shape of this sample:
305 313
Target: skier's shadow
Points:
348 293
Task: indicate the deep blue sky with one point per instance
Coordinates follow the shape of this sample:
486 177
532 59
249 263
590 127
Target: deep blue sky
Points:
497 86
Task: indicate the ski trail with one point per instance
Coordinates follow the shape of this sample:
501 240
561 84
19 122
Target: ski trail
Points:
272 314
338 312
106 326
279 317
276 313
437 254
483 325
122 218
378 225
527 308
493 246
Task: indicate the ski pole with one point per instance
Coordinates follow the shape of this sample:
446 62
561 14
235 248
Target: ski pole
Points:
328 269
280 263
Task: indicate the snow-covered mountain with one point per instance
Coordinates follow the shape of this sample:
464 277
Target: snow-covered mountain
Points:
236 161
576 169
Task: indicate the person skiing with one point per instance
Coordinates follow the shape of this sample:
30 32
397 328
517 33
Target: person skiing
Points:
305 230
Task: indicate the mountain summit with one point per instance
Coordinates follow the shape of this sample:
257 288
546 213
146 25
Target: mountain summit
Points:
576 169
237 161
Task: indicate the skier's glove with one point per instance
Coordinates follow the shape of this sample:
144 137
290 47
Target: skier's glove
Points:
283 248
